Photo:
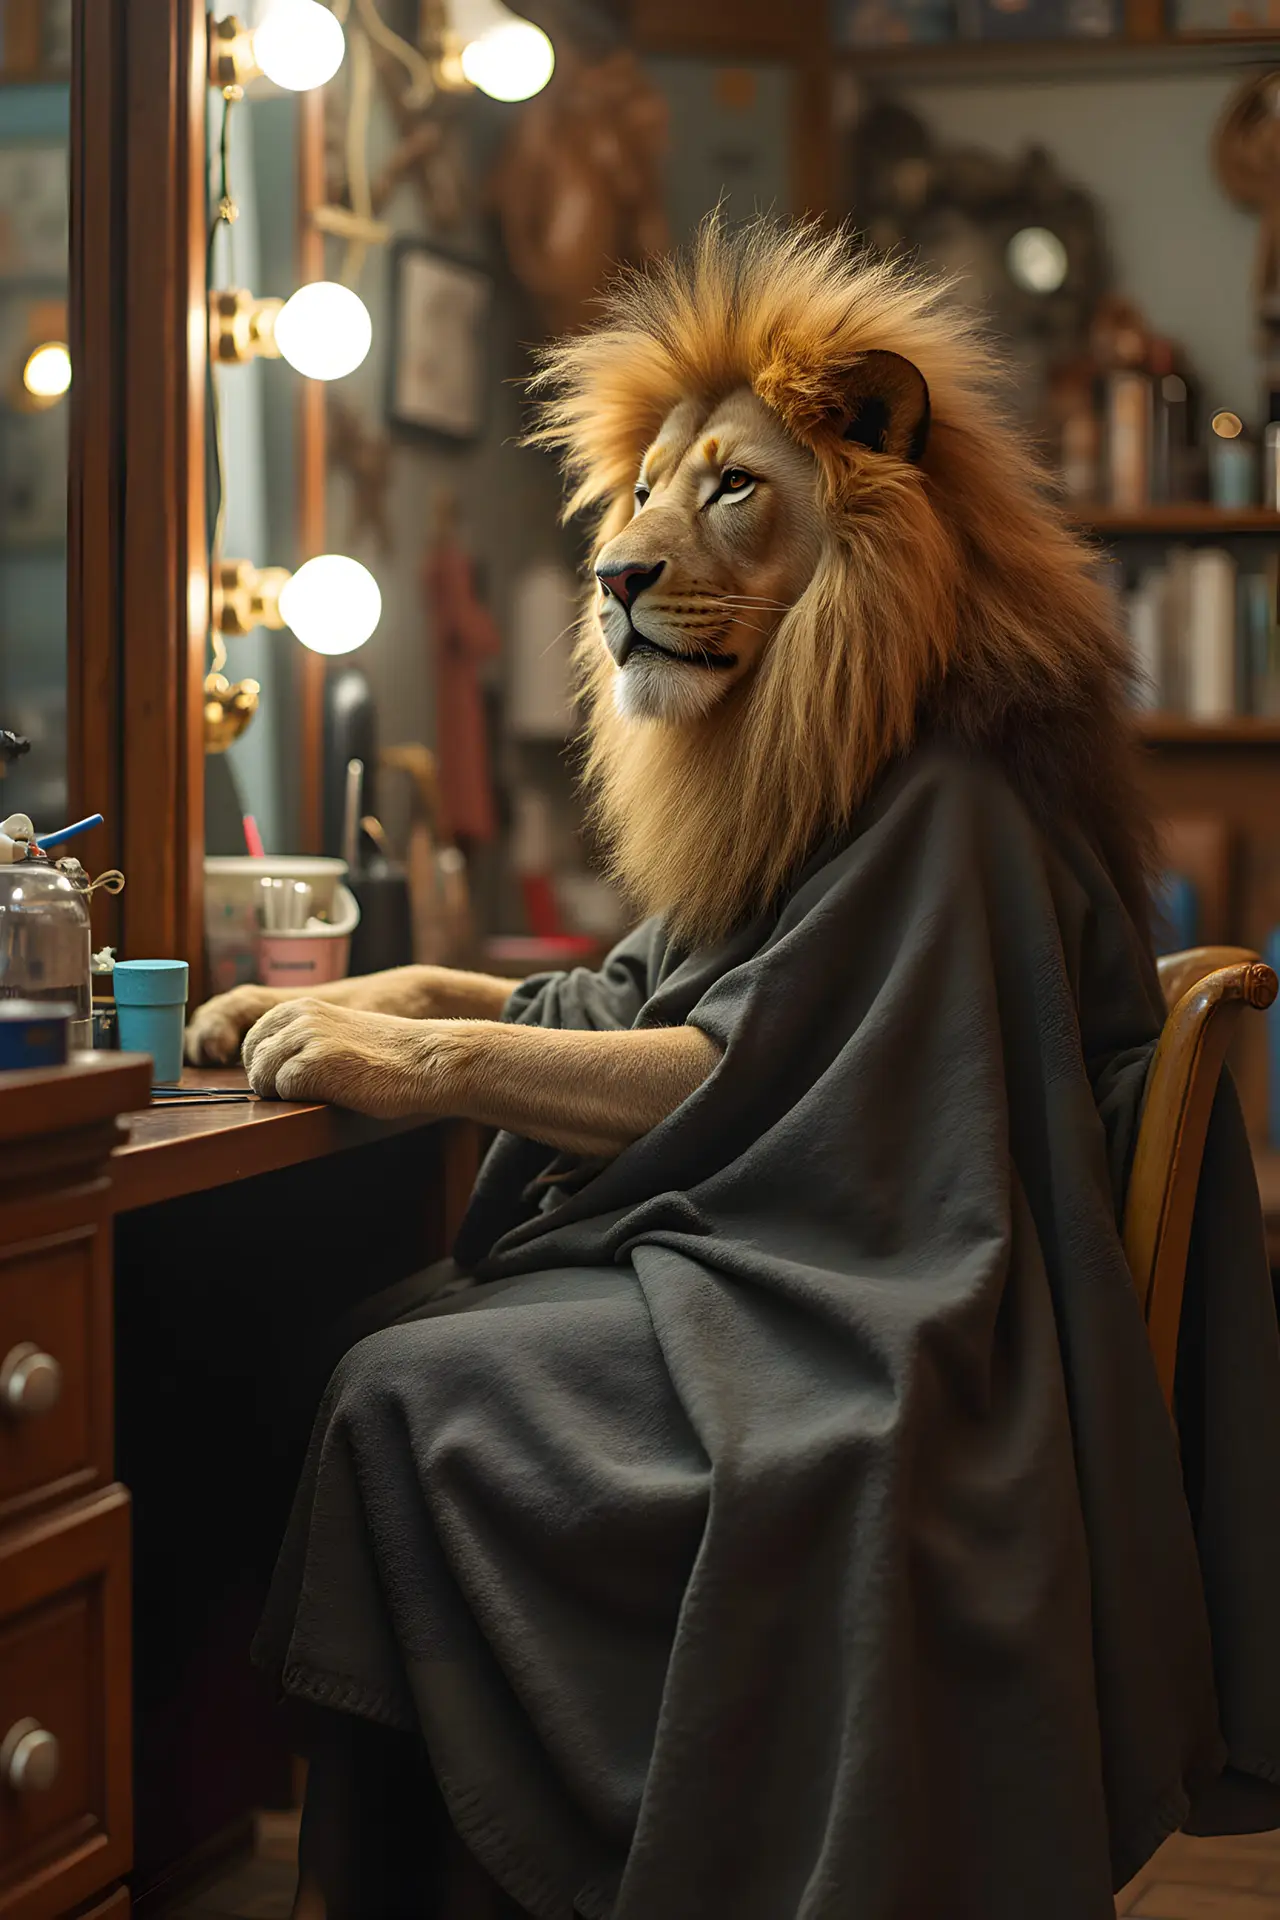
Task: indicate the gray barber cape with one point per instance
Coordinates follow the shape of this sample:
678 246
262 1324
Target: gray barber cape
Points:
788 1524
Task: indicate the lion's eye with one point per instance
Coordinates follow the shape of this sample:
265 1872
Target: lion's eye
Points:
735 484
642 494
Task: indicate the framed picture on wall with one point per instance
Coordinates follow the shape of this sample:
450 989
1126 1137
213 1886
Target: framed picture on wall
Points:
440 309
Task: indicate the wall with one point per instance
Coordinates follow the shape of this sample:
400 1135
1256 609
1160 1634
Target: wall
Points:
730 139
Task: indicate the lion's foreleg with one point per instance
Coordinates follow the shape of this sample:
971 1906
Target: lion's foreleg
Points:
414 993
589 1093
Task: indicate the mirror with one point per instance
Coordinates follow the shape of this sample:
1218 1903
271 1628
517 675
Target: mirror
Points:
35 374
251 755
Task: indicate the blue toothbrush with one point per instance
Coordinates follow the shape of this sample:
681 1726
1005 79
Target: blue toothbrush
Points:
47 840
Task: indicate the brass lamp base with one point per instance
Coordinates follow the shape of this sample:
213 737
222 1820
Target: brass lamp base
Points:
245 596
227 710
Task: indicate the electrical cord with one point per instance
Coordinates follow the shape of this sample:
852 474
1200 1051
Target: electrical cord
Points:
225 215
415 63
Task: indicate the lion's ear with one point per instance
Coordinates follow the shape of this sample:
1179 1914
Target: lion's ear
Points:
887 405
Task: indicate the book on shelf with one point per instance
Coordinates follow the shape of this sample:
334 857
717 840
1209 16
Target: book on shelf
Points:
1204 636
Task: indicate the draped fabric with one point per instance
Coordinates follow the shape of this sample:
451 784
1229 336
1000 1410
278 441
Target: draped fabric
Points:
787 1522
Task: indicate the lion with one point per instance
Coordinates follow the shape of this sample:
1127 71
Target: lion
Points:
819 543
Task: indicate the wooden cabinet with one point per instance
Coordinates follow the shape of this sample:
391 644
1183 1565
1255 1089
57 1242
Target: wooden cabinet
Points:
65 1718
65 1762
55 1347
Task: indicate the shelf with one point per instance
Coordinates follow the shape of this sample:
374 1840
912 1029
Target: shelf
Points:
1184 517
1179 729
994 60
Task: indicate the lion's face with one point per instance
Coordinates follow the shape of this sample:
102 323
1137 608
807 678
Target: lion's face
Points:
725 537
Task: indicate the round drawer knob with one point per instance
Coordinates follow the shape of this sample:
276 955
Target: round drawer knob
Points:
30 1381
29 1757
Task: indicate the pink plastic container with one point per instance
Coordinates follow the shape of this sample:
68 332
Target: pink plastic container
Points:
302 959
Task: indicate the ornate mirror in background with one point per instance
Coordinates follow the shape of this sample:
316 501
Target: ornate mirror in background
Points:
1025 245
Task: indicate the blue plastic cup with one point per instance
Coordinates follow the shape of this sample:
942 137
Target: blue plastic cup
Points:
151 1012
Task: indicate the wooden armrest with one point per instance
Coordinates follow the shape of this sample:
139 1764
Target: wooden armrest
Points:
1181 1083
1179 972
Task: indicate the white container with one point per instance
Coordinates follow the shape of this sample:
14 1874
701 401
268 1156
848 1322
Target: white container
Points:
310 956
231 893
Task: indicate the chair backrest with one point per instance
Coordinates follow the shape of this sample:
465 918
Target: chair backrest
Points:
1205 989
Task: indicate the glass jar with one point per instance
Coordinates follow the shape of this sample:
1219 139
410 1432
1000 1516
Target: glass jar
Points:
45 941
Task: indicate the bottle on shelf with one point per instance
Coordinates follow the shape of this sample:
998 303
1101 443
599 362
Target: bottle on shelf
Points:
1172 426
1271 453
1232 463
1128 429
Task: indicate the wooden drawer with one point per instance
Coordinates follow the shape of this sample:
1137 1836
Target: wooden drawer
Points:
55 1304
64 1672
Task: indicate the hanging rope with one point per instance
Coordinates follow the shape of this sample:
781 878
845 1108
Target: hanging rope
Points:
422 79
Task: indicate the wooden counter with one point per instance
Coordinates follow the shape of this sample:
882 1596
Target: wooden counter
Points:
173 1151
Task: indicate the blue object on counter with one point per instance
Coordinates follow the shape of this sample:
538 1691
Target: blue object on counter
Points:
34 1033
1271 954
151 1007
46 840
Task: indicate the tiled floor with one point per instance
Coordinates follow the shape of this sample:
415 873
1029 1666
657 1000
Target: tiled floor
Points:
1208 1880
1187 1880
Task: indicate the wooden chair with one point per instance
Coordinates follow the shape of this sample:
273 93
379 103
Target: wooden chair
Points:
1205 989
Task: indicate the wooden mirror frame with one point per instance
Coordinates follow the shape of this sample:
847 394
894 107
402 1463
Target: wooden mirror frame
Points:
138 591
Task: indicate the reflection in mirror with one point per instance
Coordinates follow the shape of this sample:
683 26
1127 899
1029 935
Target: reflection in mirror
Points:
253 405
35 375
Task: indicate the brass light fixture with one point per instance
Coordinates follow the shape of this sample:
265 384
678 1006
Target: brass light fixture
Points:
332 603
231 57
323 330
242 328
245 597
298 45
228 710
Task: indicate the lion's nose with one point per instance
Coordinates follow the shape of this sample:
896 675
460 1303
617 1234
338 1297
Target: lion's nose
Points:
626 583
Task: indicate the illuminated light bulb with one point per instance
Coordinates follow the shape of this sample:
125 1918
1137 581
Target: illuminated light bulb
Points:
323 330
332 604
512 61
299 45
47 373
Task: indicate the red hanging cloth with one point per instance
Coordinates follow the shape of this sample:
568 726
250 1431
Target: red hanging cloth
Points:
466 635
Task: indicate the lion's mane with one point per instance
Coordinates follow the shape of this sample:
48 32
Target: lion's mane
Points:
952 600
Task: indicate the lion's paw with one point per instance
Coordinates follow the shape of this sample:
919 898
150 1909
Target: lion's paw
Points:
216 1029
